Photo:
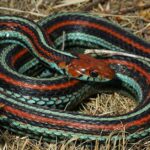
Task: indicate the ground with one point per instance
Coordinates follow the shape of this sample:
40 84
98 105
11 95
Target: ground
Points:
133 15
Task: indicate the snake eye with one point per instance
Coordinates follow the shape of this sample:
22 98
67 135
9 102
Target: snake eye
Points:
83 70
93 73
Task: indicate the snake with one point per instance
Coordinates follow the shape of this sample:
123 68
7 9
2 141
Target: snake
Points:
40 82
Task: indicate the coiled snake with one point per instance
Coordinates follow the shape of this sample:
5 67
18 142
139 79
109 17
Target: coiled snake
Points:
29 92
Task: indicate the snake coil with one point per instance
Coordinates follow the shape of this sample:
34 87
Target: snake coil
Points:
29 92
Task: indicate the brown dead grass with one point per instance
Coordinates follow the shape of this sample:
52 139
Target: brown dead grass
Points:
137 21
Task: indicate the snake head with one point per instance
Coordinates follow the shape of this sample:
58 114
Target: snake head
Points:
85 67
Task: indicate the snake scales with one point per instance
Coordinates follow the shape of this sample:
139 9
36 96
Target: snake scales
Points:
29 92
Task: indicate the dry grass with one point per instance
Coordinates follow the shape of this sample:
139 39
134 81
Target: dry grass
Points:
136 20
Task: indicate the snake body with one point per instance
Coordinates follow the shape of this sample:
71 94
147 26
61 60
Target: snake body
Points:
29 93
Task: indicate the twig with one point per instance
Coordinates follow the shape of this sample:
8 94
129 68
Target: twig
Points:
133 9
63 43
44 15
68 3
106 53
36 8
39 2
92 4
141 30
21 11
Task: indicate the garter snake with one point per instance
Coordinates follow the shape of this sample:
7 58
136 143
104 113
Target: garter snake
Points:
30 94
